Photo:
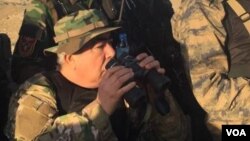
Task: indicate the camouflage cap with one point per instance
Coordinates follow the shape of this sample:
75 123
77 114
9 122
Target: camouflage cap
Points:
75 30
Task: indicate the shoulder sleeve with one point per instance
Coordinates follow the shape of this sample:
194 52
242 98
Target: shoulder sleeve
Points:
36 12
92 125
37 16
33 116
100 121
202 36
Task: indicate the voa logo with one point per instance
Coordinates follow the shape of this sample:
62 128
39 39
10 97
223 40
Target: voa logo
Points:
236 132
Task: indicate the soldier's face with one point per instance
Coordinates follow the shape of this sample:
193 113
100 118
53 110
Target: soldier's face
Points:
90 64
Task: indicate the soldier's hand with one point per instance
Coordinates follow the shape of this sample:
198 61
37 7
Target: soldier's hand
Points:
112 88
148 62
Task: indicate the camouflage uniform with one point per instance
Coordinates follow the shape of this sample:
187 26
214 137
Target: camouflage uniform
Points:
36 34
33 111
197 25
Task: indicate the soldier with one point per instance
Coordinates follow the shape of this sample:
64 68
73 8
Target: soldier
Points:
36 34
4 99
197 25
81 100
149 29
5 91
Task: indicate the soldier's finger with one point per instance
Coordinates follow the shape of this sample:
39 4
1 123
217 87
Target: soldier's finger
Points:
161 70
141 56
153 64
147 61
120 75
123 79
111 71
126 88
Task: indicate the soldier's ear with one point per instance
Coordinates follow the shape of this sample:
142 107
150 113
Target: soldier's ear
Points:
69 59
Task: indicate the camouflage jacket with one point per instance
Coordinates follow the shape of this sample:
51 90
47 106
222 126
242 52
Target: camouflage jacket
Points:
33 115
38 23
197 26
36 34
41 11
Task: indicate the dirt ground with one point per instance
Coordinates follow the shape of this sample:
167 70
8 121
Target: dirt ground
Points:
11 15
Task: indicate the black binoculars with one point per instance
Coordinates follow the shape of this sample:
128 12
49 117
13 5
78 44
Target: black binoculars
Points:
137 96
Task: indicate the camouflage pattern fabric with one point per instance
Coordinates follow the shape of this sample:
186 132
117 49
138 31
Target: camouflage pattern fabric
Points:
197 25
41 10
75 30
33 115
36 34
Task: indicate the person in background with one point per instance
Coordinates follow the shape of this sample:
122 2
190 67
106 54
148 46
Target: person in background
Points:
83 100
197 26
5 81
148 26
36 34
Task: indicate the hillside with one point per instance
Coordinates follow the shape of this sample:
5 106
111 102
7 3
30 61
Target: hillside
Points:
11 15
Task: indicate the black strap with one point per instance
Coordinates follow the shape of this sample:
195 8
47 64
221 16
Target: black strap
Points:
241 10
238 42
